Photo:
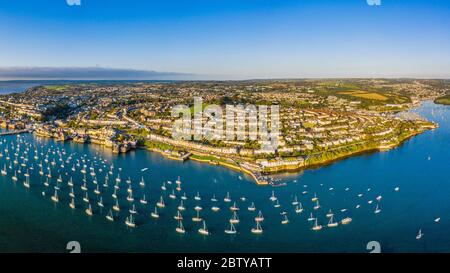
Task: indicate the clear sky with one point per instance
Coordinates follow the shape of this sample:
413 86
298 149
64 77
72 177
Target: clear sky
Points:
232 39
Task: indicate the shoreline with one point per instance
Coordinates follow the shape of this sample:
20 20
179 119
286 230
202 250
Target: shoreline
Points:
260 181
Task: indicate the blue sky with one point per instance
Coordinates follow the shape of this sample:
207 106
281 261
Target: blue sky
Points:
232 39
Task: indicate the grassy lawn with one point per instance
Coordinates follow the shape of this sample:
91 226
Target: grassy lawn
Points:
443 100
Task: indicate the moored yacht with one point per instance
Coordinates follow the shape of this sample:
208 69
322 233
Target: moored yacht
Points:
129 221
231 230
154 214
55 197
299 208
273 198
331 223
252 207
178 216
110 216
227 198
316 226
259 217
346 221
203 230
234 219
258 229
143 200
197 217
160 203
89 210
180 227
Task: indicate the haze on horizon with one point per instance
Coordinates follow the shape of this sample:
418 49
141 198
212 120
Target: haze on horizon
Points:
201 39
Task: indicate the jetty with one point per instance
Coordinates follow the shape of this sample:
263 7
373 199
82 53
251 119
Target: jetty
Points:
15 132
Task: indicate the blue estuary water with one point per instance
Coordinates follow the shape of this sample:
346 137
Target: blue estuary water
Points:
411 183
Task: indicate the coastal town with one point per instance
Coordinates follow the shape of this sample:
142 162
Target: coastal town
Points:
321 120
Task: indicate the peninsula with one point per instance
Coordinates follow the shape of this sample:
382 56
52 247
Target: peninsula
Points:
321 120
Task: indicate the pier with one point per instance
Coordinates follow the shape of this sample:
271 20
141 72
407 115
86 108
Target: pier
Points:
15 132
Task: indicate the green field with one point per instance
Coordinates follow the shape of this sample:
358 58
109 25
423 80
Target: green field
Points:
445 100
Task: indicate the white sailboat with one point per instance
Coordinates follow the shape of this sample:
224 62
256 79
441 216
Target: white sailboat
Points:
285 220
100 202
234 219
133 210
277 204
234 207
160 203
178 216
331 223
227 198
252 207
330 214
231 230
154 214
116 206
317 206
70 182
143 200
180 227
214 199
258 229
346 221
130 197
71 193
14 177
377 210
259 217
419 235
197 217
89 210
172 195
184 197
295 202
129 221
316 226
203 230
55 197
26 183
181 206
197 197
72 204
110 216
86 198
299 208
273 198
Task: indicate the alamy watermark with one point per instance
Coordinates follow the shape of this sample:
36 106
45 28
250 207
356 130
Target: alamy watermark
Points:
73 2
242 123
374 2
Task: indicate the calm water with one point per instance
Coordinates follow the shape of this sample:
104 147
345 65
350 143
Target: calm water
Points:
32 222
